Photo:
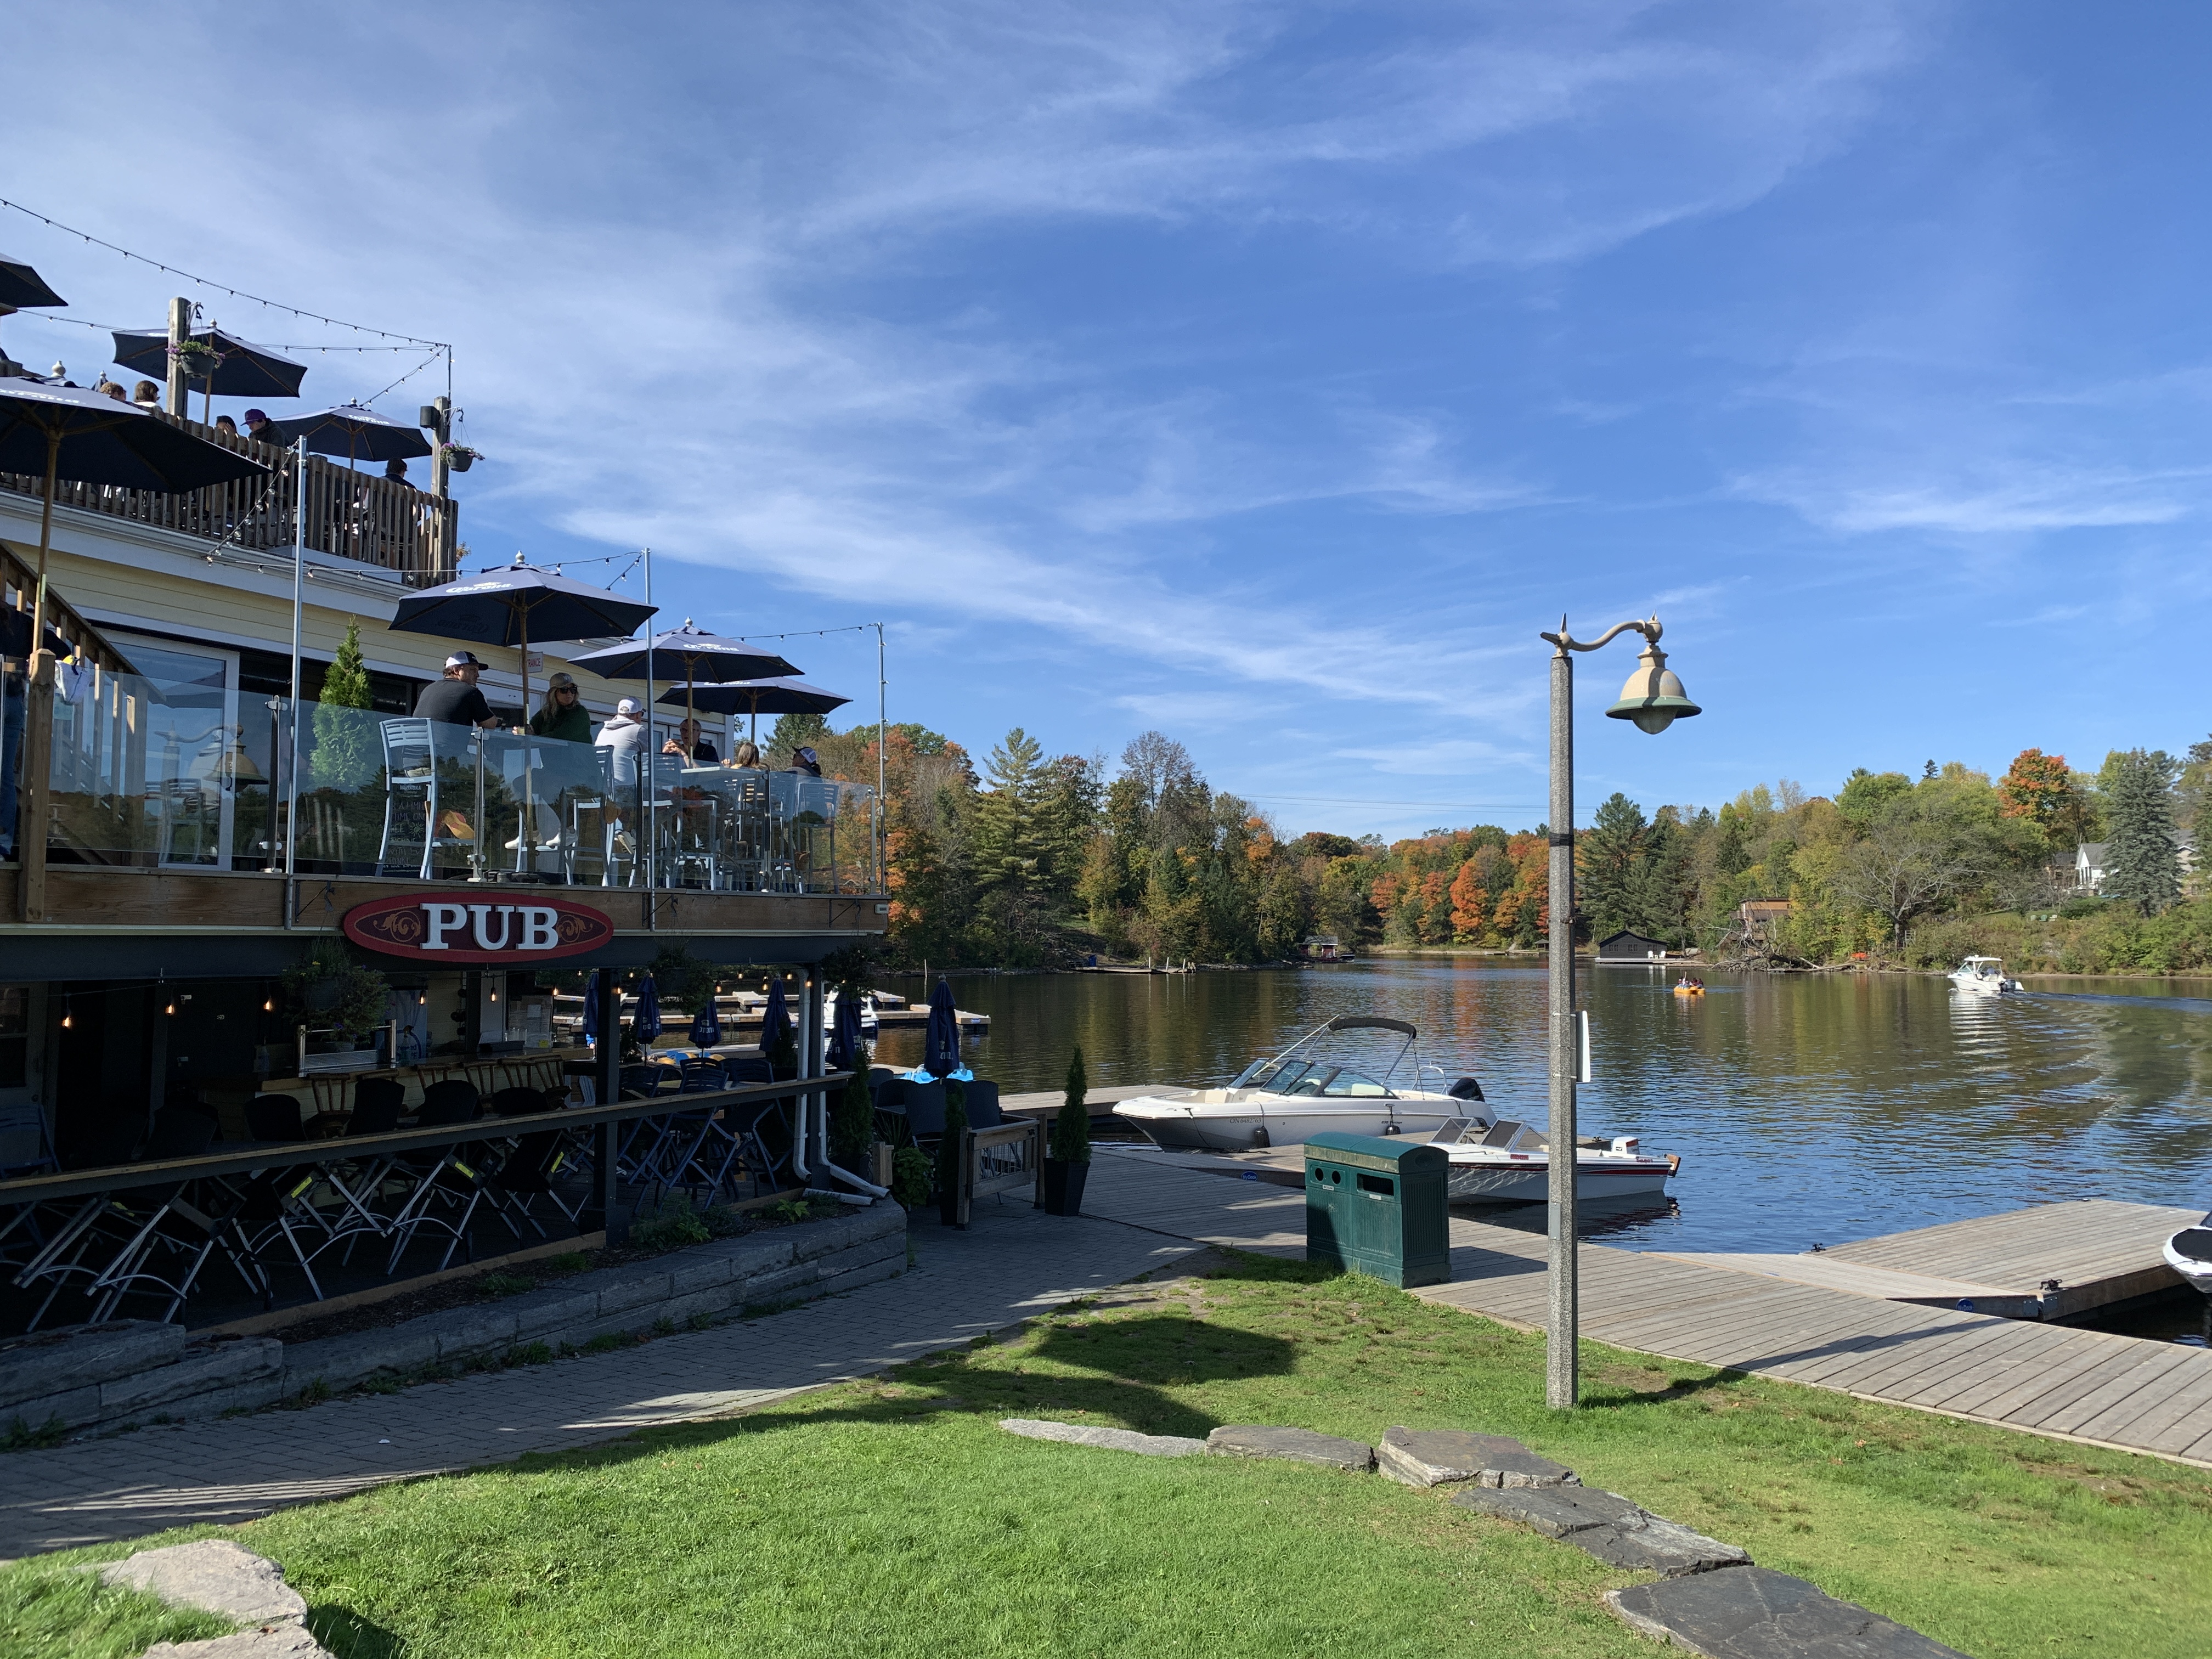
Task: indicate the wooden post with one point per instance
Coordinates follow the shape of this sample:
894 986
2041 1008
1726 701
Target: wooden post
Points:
31 792
181 330
440 469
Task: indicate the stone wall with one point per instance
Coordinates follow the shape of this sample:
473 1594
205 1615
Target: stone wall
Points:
94 1376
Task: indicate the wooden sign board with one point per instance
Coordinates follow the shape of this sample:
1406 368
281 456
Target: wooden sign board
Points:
437 930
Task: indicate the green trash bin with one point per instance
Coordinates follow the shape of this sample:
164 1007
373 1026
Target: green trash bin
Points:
1377 1207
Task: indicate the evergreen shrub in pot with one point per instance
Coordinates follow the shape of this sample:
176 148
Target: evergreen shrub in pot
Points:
1067 1150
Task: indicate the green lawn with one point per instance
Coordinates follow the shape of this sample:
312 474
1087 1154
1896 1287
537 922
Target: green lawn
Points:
894 1519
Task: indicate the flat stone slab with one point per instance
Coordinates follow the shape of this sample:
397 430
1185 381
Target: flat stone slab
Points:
1437 1457
1608 1526
1077 1434
1293 1445
1753 1612
268 1642
215 1576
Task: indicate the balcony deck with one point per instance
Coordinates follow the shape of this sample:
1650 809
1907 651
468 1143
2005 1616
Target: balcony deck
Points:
358 516
118 920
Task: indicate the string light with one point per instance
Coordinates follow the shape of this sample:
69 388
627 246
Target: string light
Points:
235 294
68 1016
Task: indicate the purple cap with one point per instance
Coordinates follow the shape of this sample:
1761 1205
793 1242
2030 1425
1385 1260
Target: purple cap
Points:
253 415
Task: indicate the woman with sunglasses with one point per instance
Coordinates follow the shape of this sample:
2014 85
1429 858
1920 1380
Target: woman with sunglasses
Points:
562 714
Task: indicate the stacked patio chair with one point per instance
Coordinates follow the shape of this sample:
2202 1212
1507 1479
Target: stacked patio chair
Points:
448 1184
278 1203
526 1171
172 1229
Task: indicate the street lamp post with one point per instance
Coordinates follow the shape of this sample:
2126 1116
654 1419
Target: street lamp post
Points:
1653 699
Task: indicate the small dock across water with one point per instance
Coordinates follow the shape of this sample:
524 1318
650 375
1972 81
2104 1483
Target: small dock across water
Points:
2124 1392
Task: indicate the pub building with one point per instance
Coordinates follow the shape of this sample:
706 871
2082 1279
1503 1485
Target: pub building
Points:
204 884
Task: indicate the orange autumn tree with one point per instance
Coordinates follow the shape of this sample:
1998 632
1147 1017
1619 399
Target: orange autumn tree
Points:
2039 788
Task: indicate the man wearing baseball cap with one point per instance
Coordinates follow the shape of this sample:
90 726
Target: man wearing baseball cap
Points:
454 699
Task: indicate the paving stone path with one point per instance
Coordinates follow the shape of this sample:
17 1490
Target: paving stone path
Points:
1014 1263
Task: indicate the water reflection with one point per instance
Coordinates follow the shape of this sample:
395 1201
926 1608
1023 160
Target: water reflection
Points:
1807 1108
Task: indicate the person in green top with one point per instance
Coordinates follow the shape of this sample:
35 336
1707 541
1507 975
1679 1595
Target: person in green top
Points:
562 714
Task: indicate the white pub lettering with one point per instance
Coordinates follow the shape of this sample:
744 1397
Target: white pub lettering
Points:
444 919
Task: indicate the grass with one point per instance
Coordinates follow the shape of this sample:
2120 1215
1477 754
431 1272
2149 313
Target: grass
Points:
893 1518
52 1609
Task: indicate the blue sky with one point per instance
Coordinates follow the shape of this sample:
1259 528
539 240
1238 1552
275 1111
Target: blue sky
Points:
1271 376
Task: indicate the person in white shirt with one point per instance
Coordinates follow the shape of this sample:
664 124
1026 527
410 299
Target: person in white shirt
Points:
625 735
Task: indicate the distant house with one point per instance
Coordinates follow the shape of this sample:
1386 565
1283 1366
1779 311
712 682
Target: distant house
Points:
2089 866
1324 947
1757 917
1624 946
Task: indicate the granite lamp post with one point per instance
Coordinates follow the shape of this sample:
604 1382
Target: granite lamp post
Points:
1654 700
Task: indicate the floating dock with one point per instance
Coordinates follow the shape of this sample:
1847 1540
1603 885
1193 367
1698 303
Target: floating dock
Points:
2124 1392
2049 1262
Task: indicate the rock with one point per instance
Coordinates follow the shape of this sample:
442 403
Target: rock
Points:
215 1576
269 1642
76 1357
1608 1526
1294 1445
1148 1445
1435 1457
1753 1612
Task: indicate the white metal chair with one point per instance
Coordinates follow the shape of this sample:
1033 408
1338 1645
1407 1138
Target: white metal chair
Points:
413 749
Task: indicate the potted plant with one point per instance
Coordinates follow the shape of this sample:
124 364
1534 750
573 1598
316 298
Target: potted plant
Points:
952 1154
1067 1151
460 457
197 358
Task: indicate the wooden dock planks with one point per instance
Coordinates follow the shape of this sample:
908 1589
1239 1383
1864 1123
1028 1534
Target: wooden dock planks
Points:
2115 1391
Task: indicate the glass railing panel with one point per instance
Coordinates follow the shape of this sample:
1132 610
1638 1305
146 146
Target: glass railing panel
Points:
153 773
149 772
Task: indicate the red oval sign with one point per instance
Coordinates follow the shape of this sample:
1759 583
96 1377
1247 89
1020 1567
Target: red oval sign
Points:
439 928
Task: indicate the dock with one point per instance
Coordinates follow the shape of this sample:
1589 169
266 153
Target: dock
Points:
1098 1102
2125 1392
2048 1262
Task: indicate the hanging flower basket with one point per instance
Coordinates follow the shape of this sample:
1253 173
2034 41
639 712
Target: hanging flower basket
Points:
460 457
198 362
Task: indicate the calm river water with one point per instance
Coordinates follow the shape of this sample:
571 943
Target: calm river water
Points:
1807 1109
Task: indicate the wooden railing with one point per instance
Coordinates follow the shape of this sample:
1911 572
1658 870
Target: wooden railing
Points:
353 515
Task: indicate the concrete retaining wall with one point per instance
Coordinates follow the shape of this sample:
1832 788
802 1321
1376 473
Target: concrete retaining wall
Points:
100 1375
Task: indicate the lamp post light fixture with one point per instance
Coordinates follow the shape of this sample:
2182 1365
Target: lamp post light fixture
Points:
1654 699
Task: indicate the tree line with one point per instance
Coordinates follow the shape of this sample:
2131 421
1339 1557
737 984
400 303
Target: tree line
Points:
1026 860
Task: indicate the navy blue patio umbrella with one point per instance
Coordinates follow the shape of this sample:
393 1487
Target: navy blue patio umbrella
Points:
353 430
779 694
241 368
846 1046
647 1021
775 1019
513 606
686 654
23 288
707 1024
56 432
941 1042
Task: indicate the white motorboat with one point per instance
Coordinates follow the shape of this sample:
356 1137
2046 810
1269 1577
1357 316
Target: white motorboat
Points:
2189 1252
1282 1099
1984 976
871 1026
1502 1162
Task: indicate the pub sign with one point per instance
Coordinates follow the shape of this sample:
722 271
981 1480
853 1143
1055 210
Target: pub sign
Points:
438 930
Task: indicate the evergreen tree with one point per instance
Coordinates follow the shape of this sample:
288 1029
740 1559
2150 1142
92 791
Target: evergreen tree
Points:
1608 859
2142 861
1071 1129
346 743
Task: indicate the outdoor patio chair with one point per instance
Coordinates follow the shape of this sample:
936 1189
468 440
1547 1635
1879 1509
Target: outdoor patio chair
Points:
924 1105
699 1076
176 1227
449 1180
416 754
525 1175
982 1106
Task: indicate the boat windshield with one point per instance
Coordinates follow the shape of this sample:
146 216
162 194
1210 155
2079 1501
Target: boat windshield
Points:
1319 1080
1304 1069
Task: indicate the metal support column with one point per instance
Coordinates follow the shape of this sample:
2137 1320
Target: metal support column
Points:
1560 1382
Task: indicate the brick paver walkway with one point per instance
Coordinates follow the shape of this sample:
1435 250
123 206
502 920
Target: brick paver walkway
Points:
1015 1262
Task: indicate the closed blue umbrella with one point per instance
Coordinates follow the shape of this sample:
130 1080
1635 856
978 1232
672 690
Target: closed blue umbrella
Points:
646 1023
707 1024
941 1046
775 1018
846 1046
